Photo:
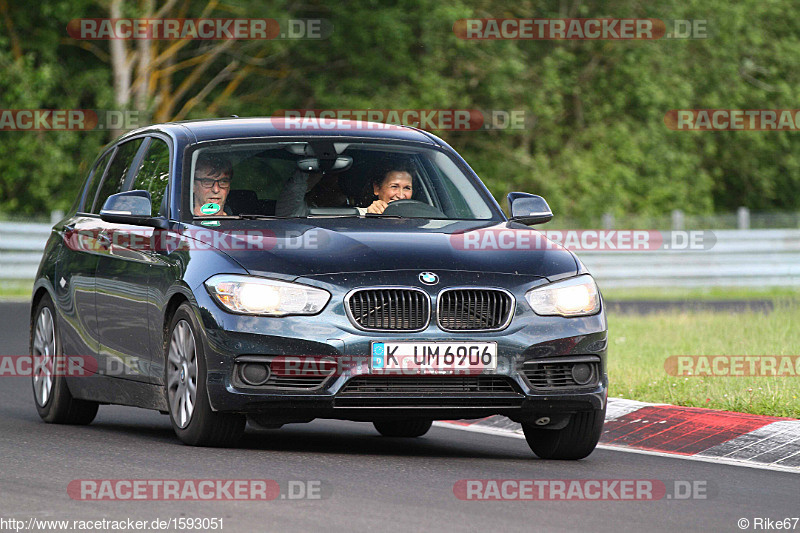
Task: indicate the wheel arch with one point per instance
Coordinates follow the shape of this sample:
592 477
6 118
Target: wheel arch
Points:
173 303
41 290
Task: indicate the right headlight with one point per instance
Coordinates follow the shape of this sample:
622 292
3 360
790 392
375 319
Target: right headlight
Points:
576 296
251 295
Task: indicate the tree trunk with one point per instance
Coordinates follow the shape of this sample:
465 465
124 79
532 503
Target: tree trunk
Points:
121 67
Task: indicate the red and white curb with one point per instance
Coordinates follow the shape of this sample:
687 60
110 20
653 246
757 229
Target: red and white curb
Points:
693 433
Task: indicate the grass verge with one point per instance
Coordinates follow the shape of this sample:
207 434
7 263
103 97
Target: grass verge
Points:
703 293
640 345
16 289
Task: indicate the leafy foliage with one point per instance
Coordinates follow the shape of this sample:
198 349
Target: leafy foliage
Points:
595 139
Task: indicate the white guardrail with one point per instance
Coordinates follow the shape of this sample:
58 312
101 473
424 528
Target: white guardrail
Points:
738 258
744 258
21 247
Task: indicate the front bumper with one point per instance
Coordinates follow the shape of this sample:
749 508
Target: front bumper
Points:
530 341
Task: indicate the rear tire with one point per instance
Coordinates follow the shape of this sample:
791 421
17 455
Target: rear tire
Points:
54 402
575 441
403 428
193 420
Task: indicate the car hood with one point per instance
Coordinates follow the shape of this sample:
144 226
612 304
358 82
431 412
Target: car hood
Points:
309 247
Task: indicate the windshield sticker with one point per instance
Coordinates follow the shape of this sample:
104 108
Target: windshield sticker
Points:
209 209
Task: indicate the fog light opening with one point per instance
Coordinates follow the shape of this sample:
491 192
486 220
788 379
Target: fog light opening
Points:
254 373
582 373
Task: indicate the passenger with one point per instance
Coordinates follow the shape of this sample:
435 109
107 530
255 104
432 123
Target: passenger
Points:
212 182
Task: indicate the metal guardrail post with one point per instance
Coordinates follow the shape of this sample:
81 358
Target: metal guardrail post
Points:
678 220
743 218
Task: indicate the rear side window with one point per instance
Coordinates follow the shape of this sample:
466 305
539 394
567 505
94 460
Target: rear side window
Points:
153 175
95 175
117 172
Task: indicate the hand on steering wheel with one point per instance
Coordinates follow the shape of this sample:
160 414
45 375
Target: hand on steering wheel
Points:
377 207
412 208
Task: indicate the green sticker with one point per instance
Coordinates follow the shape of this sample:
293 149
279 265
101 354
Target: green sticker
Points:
209 209
210 223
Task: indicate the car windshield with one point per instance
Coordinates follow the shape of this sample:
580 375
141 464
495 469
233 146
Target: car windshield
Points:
326 178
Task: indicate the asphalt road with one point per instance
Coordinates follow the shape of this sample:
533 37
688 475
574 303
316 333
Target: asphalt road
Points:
372 483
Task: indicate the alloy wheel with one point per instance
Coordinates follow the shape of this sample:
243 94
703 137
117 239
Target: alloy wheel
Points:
182 374
44 357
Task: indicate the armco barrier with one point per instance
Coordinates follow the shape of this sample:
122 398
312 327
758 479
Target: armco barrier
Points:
739 258
745 258
21 247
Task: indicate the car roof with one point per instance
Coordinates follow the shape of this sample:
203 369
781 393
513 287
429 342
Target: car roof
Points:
233 128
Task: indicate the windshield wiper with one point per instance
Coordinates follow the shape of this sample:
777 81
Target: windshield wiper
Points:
244 216
217 217
253 216
333 216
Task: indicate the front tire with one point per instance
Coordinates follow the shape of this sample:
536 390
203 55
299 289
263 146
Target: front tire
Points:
403 428
193 420
575 441
54 402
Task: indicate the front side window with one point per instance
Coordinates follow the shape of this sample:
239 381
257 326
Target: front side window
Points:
325 178
117 172
153 175
92 182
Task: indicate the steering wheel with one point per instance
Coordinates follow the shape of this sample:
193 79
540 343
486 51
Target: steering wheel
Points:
413 208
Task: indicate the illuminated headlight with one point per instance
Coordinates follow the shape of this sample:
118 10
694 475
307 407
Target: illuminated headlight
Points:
572 297
260 296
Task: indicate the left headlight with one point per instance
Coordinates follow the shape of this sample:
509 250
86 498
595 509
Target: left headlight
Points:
576 296
260 296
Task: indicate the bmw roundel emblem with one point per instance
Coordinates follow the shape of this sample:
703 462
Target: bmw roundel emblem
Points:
429 278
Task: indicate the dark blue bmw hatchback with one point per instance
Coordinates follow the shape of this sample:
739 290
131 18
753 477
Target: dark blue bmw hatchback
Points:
230 270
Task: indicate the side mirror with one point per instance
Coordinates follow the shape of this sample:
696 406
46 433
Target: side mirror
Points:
131 207
528 209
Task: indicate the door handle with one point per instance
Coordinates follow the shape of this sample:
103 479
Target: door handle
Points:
104 239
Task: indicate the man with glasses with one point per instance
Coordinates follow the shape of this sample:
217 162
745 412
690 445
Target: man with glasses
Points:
212 182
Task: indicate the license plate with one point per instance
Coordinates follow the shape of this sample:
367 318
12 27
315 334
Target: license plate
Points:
412 358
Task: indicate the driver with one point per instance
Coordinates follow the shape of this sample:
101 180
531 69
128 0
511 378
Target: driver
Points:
212 182
393 185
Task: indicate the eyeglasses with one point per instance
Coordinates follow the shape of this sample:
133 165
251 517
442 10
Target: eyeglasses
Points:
207 183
